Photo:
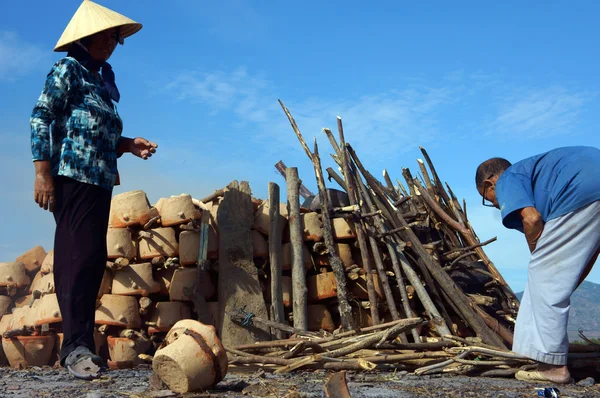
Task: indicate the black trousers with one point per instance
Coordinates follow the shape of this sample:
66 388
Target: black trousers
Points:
81 213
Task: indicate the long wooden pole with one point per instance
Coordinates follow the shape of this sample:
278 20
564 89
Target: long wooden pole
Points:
275 233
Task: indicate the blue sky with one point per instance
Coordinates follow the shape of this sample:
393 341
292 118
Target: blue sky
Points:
467 80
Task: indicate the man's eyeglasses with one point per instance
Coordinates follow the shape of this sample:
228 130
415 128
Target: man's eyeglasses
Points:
483 201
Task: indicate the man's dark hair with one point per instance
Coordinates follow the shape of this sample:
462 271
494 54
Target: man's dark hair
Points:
493 166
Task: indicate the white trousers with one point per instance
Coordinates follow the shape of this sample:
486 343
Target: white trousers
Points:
567 245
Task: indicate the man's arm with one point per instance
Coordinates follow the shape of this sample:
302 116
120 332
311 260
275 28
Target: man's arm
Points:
533 226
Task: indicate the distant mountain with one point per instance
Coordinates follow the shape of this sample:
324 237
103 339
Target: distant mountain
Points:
585 311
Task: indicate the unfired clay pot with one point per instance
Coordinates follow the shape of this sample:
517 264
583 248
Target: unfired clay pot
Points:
343 250
32 259
286 257
312 226
177 210
106 284
189 247
122 349
262 219
5 303
119 243
22 301
162 242
164 278
44 284
259 244
5 322
135 280
319 317
118 311
166 314
48 310
13 274
48 263
183 282
25 351
343 230
193 358
19 317
130 208
321 286
32 315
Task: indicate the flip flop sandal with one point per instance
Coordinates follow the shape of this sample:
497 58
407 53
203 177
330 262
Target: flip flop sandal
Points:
84 365
537 377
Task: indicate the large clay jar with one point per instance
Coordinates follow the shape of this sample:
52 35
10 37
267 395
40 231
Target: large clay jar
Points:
32 315
44 284
262 219
48 310
13 274
122 349
135 280
161 242
177 210
344 251
184 281
192 359
286 257
25 351
117 310
342 229
19 317
321 286
4 322
166 314
48 263
32 259
130 208
319 317
119 243
5 303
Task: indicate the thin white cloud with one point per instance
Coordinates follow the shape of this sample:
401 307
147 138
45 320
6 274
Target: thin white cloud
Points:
17 56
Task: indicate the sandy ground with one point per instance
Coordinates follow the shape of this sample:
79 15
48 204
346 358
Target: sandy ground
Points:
139 383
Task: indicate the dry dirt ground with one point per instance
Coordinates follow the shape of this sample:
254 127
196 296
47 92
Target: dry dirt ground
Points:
139 383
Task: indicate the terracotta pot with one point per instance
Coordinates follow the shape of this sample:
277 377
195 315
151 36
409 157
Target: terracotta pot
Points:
286 257
262 219
48 263
161 243
193 358
13 274
177 210
119 243
286 287
32 259
118 311
112 365
342 230
167 314
312 226
343 250
130 208
321 286
123 349
189 247
48 310
44 285
5 304
259 245
25 351
319 317
106 284
183 282
135 280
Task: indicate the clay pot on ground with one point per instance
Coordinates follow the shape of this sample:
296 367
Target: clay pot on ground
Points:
321 286
286 257
106 284
259 245
48 310
32 259
262 219
130 208
319 317
48 263
122 349
13 274
183 282
117 310
286 287
161 242
5 304
193 358
119 243
344 251
43 284
177 210
166 314
135 280
25 351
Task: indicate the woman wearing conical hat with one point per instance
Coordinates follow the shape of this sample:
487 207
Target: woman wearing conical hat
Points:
75 141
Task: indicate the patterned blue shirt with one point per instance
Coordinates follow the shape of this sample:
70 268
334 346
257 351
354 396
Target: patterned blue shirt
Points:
86 128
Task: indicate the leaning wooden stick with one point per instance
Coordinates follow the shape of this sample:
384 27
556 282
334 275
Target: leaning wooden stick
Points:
277 313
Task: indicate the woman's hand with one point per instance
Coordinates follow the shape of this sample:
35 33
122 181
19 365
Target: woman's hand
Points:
43 187
142 148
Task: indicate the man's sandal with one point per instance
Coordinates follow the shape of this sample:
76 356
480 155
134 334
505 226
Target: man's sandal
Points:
537 377
83 364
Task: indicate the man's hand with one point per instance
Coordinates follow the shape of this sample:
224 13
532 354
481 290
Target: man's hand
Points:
43 188
142 148
533 226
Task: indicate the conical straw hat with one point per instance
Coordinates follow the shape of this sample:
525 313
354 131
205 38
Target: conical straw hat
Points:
91 18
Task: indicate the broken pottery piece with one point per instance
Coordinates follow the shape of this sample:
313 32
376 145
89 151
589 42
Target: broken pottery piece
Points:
13 274
166 314
32 259
319 317
177 210
122 349
117 310
262 219
184 280
193 358
286 257
48 263
130 208
160 242
259 245
26 351
5 304
135 280
119 243
48 310
321 286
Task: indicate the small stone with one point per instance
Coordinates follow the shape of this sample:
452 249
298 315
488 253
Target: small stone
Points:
588 382
93 395
162 394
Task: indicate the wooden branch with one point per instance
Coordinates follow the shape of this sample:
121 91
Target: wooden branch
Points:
436 178
281 168
296 130
461 249
216 194
242 318
296 240
275 233
336 177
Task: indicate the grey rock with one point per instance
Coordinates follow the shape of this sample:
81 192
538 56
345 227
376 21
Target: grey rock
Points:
587 382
